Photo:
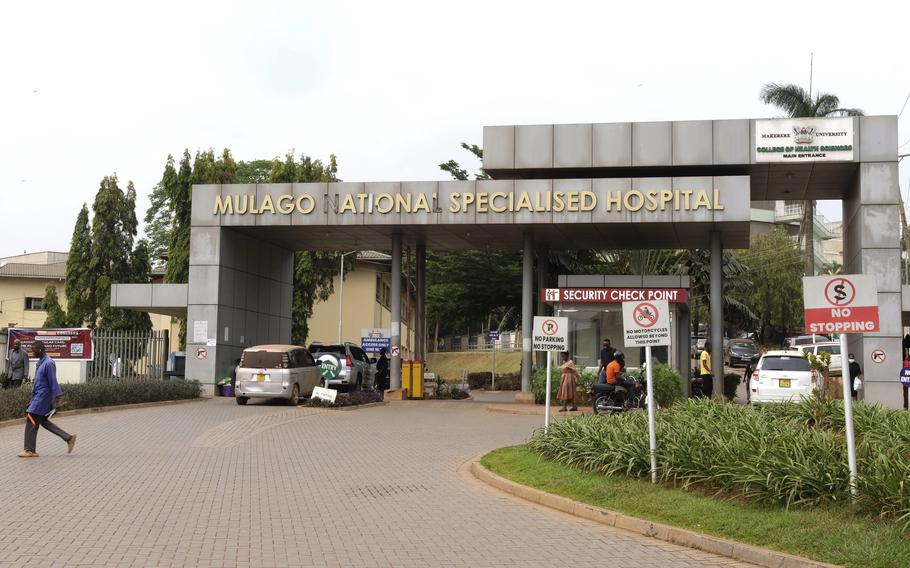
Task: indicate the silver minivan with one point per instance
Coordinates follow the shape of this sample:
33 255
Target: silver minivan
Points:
276 371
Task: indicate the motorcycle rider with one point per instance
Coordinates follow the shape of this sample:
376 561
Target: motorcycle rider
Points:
615 373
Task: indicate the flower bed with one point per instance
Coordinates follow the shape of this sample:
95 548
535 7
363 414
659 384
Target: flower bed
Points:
355 398
101 392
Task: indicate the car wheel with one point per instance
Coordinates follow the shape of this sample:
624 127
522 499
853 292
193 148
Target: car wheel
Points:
295 396
242 400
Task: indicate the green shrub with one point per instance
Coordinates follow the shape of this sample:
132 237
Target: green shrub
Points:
731 383
479 380
667 385
101 392
790 454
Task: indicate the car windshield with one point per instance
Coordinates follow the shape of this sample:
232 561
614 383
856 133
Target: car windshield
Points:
263 360
783 363
742 345
327 349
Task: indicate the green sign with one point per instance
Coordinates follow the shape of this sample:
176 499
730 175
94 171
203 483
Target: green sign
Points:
329 368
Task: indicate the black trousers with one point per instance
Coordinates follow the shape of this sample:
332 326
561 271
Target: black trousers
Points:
707 385
33 422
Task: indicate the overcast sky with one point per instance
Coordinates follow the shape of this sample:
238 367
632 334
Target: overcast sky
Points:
92 88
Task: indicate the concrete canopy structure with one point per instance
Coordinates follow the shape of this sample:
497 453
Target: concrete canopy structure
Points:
682 184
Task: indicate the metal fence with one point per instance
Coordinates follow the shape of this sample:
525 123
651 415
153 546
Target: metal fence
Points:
129 354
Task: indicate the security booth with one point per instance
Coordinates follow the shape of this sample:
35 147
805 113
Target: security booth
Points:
593 304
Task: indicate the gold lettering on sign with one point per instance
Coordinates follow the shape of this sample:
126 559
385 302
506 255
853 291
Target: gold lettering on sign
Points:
454 205
306 209
702 200
363 197
666 196
284 204
651 201
718 206
572 201
422 204
627 200
402 203
559 205
223 206
482 200
588 201
246 204
498 208
466 199
524 202
384 197
347 205
614 199
267 203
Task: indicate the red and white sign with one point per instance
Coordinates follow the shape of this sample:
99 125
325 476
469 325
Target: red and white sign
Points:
612 295
877 356
550 334
201 353
840 304
646 323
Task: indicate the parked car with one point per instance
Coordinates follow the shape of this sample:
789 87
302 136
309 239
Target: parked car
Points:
739 351
343 365
781 376
275 371
832 347
698 345
795 342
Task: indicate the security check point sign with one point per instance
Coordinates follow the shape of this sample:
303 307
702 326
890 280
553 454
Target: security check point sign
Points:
647 324
551 333
840 304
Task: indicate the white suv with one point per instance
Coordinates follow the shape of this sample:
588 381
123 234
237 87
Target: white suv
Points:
781 376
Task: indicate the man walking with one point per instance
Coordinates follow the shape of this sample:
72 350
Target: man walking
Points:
606 357
17 364
704 368
856 375
382 373
45 394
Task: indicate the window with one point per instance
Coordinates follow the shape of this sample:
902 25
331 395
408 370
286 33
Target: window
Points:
784 364
34 303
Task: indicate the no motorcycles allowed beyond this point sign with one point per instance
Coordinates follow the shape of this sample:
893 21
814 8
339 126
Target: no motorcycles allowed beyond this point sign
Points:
646 323
551 333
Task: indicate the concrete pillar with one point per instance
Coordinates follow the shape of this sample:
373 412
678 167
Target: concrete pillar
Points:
872 246
239 295
420 346
543 266
684 349
395 360
717 311
527 310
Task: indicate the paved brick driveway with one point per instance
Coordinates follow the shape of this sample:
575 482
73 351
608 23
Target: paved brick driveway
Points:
215 484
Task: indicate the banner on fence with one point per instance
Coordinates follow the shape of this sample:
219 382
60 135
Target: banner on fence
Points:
64 344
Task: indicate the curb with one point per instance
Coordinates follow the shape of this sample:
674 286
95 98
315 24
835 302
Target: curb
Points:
78 411
698 541
359 406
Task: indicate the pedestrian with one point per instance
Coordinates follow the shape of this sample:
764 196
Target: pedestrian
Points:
382 373
856 376
704 369
16 365
606 357
46 395
567 386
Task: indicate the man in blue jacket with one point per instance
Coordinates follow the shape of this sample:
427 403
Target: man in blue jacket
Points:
44 399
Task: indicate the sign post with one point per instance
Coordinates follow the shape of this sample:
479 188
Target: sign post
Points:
550 334
647 324
841 304
493 337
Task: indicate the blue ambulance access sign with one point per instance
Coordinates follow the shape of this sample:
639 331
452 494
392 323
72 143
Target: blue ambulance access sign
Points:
905 376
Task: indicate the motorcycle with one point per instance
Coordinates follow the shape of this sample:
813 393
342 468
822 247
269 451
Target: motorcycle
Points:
610 399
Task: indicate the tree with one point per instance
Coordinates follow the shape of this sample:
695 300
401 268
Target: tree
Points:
159 219
79 282
56 317
797 103
457 171
774 268
178 189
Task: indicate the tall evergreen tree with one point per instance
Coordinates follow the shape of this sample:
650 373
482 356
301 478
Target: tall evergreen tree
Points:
159 218
56 317
79 281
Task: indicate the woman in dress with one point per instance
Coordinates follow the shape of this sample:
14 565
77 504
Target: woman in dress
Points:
567 386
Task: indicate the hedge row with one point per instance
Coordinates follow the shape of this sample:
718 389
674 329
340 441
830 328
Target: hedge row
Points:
102 392
792 454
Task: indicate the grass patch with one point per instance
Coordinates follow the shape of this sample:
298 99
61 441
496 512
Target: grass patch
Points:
829 533
451 365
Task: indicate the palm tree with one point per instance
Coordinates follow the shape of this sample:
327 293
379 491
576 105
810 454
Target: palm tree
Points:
797 103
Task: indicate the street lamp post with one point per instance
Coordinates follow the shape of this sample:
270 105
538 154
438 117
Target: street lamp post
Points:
341 291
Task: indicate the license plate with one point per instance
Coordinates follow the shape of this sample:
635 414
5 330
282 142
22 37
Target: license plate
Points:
785 383
261 377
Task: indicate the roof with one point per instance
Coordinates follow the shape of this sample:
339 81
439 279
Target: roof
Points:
55 270
372 255
40 257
